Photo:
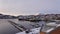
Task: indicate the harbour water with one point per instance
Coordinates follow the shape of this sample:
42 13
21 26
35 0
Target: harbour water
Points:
7 28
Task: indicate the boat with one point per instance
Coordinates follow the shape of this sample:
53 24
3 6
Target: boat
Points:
36 29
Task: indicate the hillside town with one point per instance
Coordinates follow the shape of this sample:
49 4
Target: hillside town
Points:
43 24
32 17
41 17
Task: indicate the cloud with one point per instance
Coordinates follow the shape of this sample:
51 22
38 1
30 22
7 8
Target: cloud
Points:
25 7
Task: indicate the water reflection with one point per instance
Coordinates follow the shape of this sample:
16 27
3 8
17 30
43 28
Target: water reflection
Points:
7 28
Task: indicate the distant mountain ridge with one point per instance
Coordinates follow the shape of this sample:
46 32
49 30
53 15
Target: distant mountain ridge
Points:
2 16
39 16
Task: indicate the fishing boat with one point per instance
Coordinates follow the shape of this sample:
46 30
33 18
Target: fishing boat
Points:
31 29
36 28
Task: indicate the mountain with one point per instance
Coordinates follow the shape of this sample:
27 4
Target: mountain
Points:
2 16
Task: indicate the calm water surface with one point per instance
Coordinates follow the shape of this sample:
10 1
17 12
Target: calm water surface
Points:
7 28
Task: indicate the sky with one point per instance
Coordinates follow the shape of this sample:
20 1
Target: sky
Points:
29 7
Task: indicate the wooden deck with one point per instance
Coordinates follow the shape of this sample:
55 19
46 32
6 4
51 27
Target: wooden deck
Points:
42 33
56 31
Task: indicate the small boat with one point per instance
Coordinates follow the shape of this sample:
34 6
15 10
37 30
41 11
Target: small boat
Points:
32 31
35 30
